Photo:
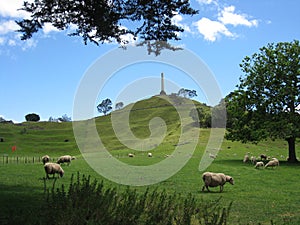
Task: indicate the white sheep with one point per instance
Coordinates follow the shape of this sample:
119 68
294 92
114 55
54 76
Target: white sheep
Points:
65 159
212 156
274 162
53 168
215 179
131 155
149 154
246 158
45 159
253 160
259 164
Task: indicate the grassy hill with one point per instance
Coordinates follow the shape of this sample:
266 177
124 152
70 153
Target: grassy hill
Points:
258 196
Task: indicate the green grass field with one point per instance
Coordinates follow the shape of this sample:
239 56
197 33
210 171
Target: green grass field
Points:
258 196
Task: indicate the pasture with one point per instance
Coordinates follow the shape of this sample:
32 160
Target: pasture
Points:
259 196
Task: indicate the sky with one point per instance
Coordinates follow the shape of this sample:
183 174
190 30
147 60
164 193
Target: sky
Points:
42 75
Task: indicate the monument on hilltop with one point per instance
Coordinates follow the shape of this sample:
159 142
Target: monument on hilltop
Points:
162 83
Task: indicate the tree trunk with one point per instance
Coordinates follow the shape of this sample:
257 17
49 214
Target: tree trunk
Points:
292 150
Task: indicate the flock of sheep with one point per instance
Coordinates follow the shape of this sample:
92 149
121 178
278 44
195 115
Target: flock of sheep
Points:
261 164
53 168
211 179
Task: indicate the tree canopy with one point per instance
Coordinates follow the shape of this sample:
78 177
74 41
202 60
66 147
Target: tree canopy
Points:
105 106
32 117
266 102
101 21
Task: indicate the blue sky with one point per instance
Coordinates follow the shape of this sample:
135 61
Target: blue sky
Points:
42 75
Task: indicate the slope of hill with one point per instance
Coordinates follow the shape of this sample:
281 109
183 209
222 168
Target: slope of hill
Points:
38 138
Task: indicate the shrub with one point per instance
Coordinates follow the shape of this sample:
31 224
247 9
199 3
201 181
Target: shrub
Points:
87 202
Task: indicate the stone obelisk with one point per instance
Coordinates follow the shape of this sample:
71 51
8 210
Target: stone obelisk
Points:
162 92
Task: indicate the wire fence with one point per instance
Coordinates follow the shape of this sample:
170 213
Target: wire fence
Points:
20 159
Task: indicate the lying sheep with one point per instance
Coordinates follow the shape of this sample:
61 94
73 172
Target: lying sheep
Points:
259 164
53 168
273 163
215 179
45 159
65 159
149 154
131 155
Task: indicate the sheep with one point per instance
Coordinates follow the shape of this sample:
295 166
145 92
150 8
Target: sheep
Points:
274 162
253 160
259 164
263 157
246 158
215 179
149 154
53 168
131 155
212 156
45 159
65 159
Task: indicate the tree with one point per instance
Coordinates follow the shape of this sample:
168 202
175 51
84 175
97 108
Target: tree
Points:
119 105
32 117
64 118
104 21
105 106
187 93
266 102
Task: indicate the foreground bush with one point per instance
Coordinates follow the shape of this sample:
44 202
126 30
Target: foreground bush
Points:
87 202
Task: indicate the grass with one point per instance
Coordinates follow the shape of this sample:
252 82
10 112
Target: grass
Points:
258 196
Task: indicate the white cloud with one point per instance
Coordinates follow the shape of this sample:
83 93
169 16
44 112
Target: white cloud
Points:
9 8
228 16
8 27
205 1
48 27
12 42
177 20
212 29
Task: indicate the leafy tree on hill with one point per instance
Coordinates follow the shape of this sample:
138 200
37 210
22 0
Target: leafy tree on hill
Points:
32 117
104 21
186 93
105 106
266 102
119 105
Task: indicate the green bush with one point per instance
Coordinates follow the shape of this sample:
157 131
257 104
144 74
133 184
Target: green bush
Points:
87 202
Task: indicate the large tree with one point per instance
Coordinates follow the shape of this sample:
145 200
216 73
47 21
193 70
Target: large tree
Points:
101 21
266 102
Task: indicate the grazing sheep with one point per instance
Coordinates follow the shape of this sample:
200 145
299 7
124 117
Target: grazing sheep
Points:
212 156
215 179
274 162
246 158
149 154
45 159
65 159
259 164
263 157
131 155
53 168
253 160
